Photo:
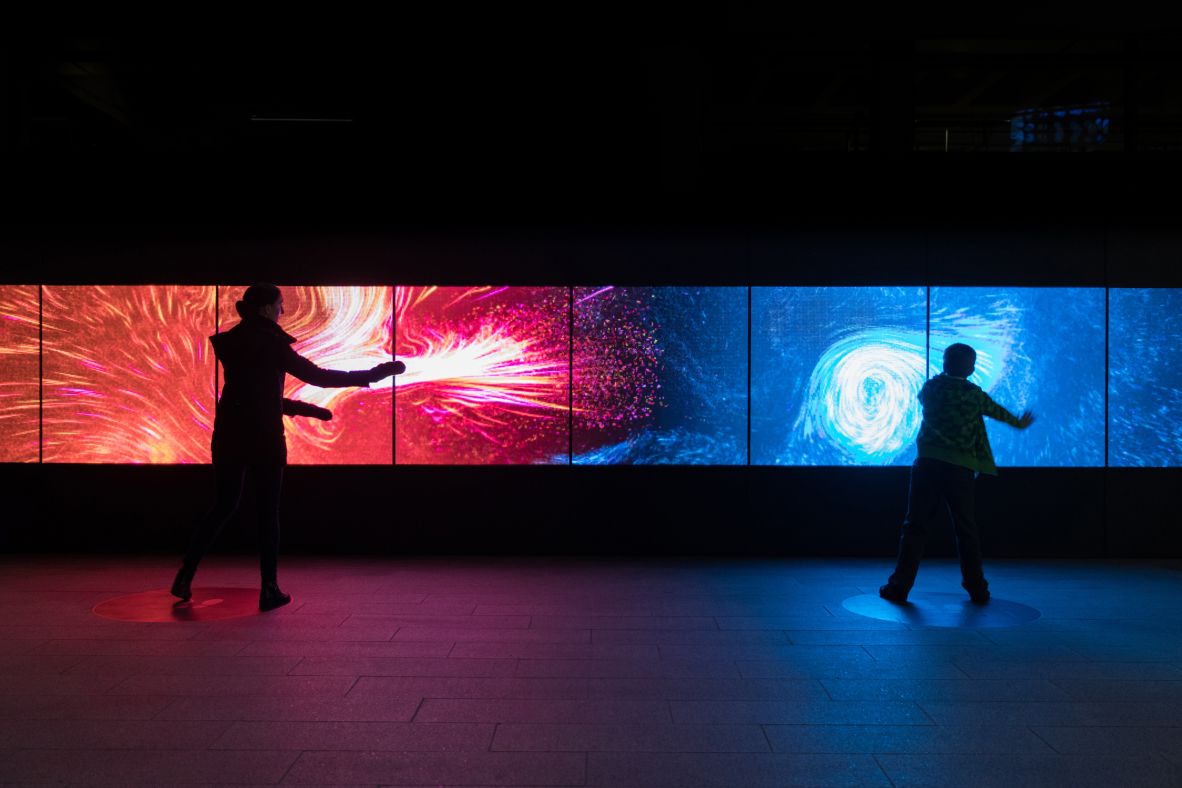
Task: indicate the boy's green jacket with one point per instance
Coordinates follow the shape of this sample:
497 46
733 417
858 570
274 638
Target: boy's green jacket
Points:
953 429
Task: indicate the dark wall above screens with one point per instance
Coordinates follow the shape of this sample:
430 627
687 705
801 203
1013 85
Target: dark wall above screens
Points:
1116 252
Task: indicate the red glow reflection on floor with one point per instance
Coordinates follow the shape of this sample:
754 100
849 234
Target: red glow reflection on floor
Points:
207 604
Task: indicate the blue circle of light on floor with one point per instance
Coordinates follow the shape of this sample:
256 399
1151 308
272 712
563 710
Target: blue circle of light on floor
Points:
942 610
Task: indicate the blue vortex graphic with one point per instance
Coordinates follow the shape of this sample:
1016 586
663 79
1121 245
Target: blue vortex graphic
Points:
862 394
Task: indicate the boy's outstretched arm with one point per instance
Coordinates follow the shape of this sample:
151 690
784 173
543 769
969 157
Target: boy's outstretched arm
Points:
994 411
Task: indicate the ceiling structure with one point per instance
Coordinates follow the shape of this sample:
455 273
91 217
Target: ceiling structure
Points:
671 113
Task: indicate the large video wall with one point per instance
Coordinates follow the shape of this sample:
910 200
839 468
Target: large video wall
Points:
600 375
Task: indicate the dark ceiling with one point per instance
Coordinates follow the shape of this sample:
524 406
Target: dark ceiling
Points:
590 106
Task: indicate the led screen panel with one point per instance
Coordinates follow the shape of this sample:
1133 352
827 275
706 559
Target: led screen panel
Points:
660 375
343 328
1038 349
1144 378
128 373
20 373
835 372
488 375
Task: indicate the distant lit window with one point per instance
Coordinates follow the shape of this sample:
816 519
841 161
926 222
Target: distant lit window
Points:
1063 128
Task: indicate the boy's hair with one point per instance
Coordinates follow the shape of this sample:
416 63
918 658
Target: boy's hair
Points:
959 359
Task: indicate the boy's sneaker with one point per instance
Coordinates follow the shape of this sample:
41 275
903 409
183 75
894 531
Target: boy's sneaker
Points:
979 595
893 593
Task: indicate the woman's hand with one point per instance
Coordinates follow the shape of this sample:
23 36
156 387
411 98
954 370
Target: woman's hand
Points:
385 370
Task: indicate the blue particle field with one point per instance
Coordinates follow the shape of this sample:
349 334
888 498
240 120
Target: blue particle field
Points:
701 416
1144 377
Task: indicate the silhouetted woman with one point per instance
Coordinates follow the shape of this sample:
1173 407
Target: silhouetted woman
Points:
256 356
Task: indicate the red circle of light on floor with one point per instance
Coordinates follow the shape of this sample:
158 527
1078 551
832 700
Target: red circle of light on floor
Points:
207 604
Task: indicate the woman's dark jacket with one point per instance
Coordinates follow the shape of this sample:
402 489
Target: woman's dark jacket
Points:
256 356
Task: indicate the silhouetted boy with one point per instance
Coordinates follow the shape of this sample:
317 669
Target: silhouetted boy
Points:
256 356
953 450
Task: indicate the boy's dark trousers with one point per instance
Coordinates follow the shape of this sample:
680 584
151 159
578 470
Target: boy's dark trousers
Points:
933 482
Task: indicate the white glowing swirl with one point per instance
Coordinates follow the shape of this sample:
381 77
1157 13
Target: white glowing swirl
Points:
344 328
862 394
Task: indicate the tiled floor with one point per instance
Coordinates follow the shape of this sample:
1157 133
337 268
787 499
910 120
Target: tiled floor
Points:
581 672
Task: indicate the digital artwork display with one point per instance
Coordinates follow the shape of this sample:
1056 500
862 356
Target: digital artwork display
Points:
487 376
343 328
1144 378
20 373
835 372
660 375
128 373
1038 349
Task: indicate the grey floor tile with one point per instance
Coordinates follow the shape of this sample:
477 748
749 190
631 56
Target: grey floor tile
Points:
1053 713
853 666
748 652
107 630
151 648
1097 740
54 684
527 650
151 664
888 637
707 689
163 684
623 622
388 605
629 668
34 664
109 734
150 767
339 648
490 635
470 687
1015 769
979 652
829 622
423 768
394 736
24 646
403 666
1118 690
945 689
360 708
1118 671
43 706
689 636
693 770
439 621
544 711
711 712
904 738
626 737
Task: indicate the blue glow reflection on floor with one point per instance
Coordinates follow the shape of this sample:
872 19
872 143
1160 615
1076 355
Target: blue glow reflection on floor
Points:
943 610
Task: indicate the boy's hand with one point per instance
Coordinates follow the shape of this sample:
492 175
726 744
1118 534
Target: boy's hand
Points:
316 412
1025 420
